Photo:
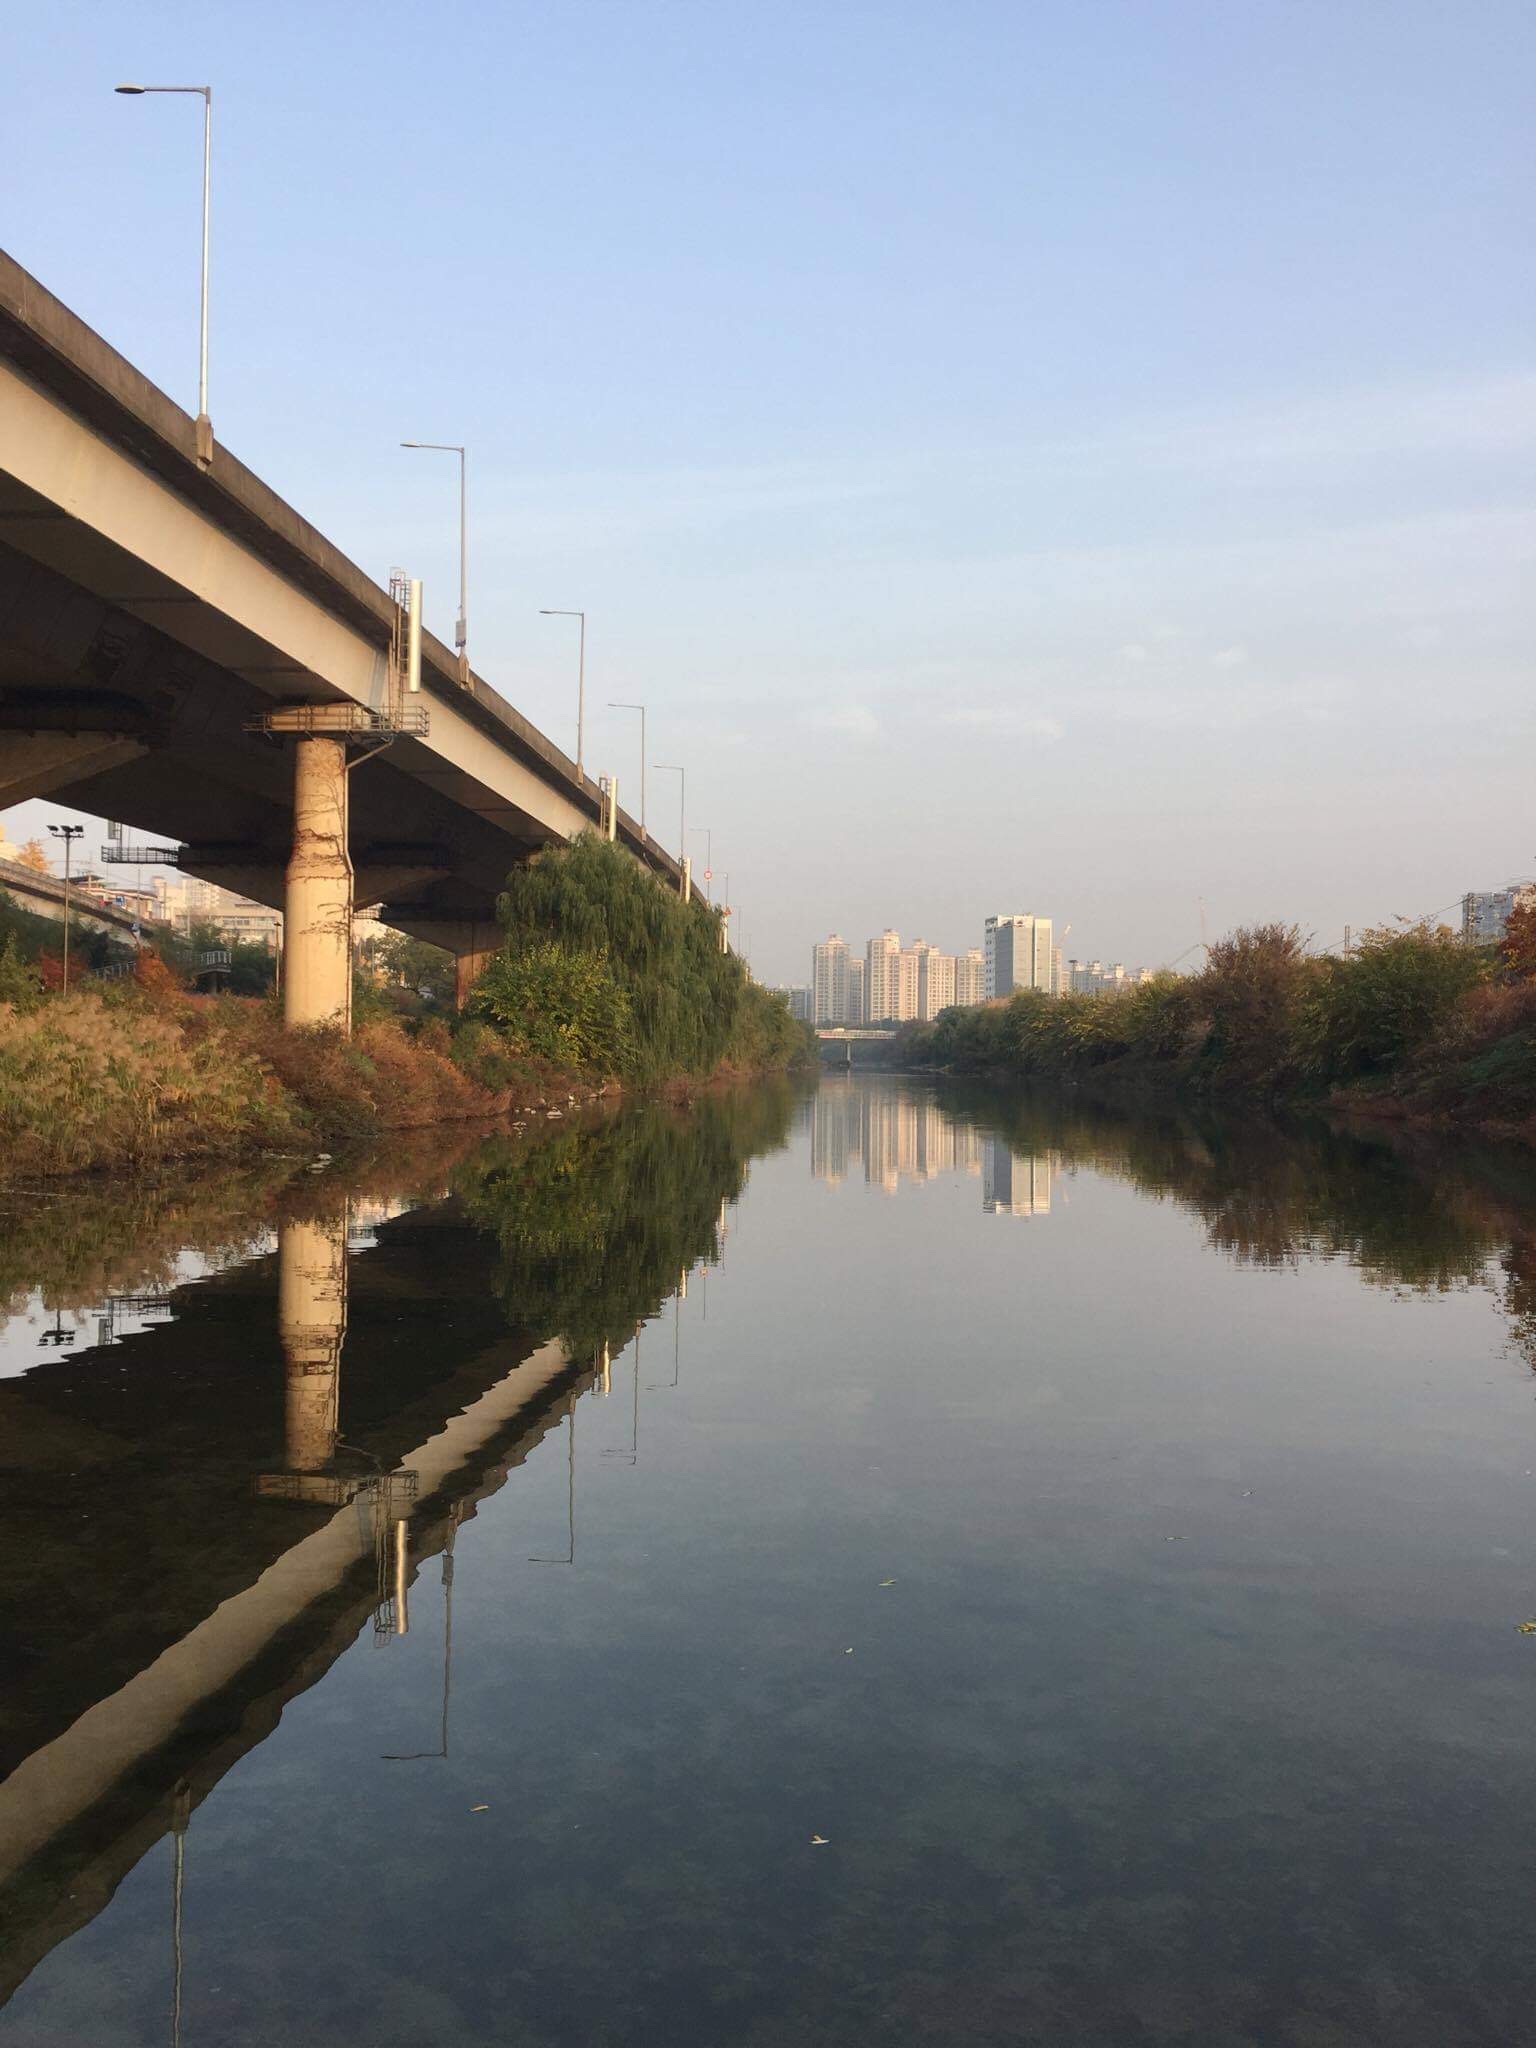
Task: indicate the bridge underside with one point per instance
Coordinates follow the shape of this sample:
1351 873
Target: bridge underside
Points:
107 712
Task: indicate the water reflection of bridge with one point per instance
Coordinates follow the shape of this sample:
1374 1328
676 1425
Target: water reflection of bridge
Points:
240 1543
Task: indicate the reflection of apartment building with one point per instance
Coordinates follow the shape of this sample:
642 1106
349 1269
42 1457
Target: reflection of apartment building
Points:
835 1117
1018 955
896 1138
1014 1183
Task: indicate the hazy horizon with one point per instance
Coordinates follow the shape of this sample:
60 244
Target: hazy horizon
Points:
1072 459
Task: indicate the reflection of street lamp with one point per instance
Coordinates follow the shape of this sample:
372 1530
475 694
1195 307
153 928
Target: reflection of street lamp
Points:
570 1488
204 424
415 1755
633 1453
69 834
555 612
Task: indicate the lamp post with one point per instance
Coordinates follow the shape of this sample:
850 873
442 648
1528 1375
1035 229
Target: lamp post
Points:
69 834
204 423
612 706
671 768
555 612
461 629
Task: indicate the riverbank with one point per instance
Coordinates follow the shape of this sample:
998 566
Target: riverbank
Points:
130 1077
604 981
1410 1027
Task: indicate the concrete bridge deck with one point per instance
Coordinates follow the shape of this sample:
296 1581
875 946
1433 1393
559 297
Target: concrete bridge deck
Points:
153 605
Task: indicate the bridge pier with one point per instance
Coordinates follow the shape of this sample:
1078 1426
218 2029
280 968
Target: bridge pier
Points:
317 900
470 962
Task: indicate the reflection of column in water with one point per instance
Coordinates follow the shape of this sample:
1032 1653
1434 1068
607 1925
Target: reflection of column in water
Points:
312 1322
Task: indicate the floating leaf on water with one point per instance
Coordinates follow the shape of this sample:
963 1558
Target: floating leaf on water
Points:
819 1841
1526 1628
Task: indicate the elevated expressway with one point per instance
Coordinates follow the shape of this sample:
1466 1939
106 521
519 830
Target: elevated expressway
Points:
155 609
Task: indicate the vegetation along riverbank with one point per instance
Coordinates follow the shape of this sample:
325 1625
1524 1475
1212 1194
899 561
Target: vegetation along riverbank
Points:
603 979
1410 1024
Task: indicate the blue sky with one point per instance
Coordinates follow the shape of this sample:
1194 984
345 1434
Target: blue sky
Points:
1070 457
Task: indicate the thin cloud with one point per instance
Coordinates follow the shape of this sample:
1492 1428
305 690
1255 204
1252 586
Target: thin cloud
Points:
1001 718
857 719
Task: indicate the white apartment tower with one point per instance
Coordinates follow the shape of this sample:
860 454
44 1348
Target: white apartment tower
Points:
856 1010
1018 955
935 982
971 978
882 978
829 982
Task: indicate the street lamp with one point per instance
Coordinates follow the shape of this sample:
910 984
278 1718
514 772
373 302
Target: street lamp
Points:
461 629
555 612
612 706
671 768
69 834
204 424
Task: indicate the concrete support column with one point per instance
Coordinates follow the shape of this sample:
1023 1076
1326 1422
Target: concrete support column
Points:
471 955
317 903
467 970
312 1322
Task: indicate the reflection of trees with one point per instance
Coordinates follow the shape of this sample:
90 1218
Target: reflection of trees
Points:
77 1241
1418 1216
595 1226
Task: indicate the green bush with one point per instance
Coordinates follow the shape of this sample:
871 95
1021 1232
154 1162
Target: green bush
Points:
1362 1013
561 1003
603 961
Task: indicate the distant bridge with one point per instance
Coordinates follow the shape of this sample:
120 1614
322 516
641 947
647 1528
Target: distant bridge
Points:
842 1038
45 895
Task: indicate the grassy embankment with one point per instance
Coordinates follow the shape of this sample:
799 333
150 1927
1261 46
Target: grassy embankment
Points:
1409 1024
604 977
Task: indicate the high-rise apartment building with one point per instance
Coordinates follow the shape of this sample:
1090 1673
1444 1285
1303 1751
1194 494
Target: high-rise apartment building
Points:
935 982
1486 912
829 982
882 979
971 978
856 1010
906 981
1018 955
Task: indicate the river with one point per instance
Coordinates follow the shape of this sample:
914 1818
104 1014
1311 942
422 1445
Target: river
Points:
880 1564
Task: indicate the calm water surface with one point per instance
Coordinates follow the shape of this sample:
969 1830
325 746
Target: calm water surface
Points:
886 1566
